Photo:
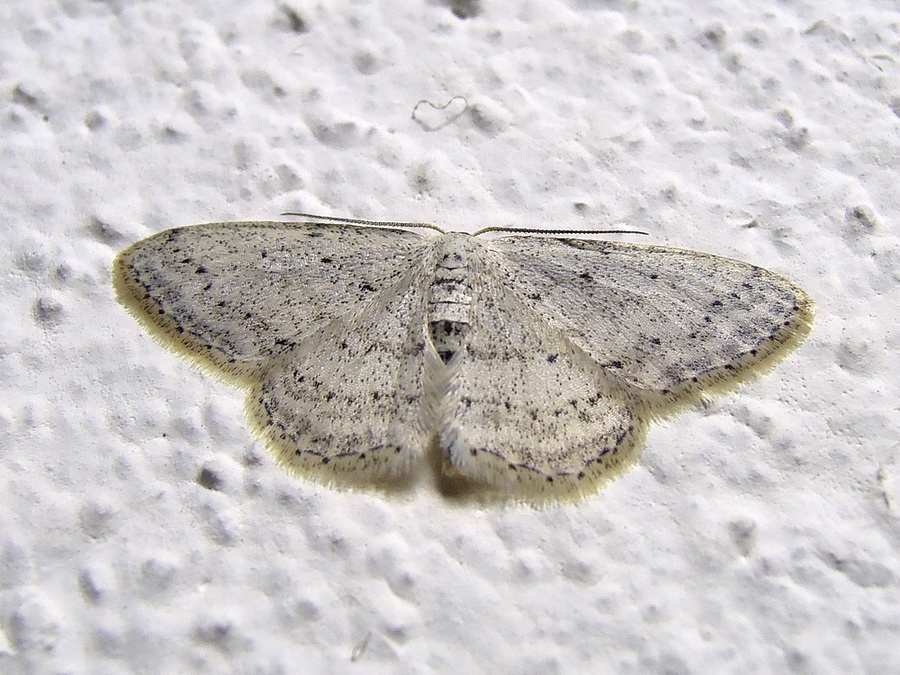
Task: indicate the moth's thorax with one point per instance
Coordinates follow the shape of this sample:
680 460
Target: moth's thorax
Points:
450 294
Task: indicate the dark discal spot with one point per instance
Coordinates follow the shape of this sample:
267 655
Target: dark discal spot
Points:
466 401
325 460
326 260
707 319
716 303
473 452
330 395
549 479
513 467
551 358
653 276
344 344
585 276
534 296
362 455
207 287
656 341
265 254
376 395
367 287
186 261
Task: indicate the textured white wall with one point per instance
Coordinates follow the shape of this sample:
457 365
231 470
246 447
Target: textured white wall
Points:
143 528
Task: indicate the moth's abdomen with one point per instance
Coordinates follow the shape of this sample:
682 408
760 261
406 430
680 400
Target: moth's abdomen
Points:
450 297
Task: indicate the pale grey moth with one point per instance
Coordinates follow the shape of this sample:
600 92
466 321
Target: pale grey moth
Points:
532 363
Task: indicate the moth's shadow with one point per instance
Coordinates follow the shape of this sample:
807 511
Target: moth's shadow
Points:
431 475
456 489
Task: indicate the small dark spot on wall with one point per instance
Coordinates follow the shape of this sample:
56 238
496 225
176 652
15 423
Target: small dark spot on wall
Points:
463 9
48 312
713 36
209 479
293 20
23 97
104 232
860 219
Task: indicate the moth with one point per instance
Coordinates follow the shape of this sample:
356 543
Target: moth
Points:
533 363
